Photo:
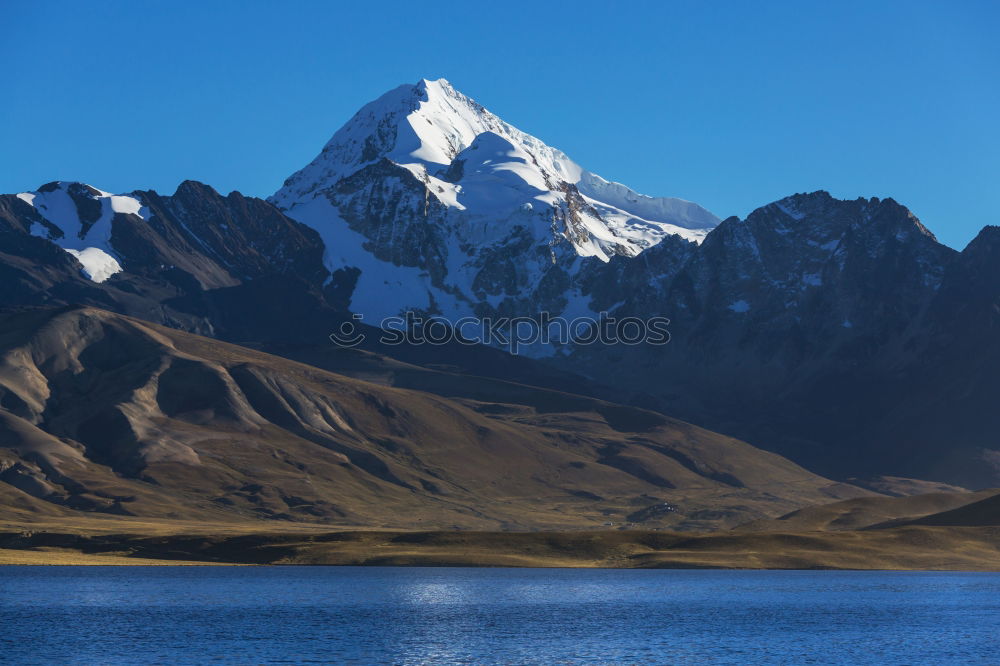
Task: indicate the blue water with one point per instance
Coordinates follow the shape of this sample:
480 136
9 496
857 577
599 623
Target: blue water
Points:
133 615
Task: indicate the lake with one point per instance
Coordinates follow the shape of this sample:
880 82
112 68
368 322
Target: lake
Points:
245 615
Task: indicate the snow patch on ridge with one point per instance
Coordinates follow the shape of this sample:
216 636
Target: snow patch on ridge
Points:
89 243
97 264
675 212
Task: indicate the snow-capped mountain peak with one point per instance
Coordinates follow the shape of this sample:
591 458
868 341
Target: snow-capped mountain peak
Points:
432 187
426 126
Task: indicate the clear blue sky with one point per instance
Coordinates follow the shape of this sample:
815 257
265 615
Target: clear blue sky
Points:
730 104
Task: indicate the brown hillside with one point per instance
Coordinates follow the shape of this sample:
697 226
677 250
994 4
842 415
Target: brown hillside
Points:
103 413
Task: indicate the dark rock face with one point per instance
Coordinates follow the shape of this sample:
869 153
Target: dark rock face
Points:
187 262
838 333
380 196
232 238
950 373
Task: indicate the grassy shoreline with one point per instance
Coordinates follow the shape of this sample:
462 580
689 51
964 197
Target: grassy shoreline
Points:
902 548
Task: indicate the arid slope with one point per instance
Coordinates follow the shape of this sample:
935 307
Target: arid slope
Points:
104 413
864 512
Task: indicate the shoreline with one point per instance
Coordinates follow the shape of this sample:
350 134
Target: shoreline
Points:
908 548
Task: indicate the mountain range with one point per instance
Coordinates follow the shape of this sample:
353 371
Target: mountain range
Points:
839 334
